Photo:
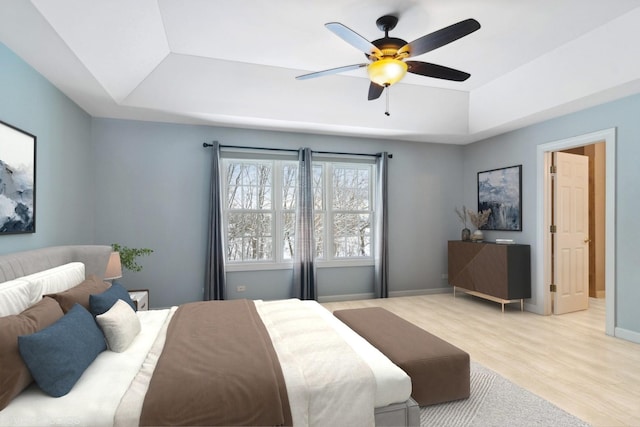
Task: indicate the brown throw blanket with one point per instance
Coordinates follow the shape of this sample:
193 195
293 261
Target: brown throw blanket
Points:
218 367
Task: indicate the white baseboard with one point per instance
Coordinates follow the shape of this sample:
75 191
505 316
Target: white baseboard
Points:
411 293
627 335
350 297
416 292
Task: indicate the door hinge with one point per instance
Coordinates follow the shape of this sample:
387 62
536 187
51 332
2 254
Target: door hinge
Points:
553 287
553 169
553 229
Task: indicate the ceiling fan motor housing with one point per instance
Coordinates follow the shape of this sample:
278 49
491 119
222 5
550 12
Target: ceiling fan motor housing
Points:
388 46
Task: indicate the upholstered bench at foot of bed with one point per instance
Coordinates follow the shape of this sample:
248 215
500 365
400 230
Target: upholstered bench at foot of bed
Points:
439 371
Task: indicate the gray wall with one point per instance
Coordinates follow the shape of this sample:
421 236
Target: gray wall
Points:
519 147
153 182
65 175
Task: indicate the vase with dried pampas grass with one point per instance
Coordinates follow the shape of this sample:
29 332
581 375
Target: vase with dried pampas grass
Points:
478 219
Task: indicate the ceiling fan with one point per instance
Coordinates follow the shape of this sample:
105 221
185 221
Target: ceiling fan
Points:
387 55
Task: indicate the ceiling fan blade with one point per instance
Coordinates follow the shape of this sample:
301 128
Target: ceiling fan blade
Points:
375 90
439 38
437 71
353 38
330 71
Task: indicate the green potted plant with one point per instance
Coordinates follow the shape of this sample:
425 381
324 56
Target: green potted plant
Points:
128 256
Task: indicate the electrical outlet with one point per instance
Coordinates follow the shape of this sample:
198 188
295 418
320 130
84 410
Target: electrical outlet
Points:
445 276
241 288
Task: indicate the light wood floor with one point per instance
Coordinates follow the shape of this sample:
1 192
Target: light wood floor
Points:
565 359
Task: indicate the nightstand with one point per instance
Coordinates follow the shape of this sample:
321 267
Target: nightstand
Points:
140 298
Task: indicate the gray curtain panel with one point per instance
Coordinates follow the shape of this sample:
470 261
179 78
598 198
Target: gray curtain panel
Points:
381 257
215 277
304 269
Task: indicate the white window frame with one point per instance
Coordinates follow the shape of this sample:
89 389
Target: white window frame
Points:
271 211
278 262
329 260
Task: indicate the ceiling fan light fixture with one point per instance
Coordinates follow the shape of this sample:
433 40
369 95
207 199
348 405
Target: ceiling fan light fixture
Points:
387 71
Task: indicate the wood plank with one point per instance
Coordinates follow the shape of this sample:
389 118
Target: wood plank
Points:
565 359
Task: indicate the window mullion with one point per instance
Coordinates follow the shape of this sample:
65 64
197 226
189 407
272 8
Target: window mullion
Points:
225 207
328 229
276 207
372 206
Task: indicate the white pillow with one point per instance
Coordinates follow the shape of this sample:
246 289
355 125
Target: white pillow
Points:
120 325
57 279
18 295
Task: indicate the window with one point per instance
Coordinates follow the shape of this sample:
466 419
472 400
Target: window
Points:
351 211
249 214
260 202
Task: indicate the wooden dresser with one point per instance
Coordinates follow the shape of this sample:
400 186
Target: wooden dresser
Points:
500 273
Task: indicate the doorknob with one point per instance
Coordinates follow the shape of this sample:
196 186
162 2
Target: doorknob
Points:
587 240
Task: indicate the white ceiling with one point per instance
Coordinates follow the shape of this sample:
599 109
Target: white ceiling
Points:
233 63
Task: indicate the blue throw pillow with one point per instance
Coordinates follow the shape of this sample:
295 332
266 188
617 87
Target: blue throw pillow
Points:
58 355
101 303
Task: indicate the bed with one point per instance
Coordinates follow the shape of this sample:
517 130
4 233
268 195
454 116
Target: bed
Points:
293 362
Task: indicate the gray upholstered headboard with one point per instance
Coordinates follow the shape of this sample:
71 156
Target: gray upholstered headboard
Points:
18 264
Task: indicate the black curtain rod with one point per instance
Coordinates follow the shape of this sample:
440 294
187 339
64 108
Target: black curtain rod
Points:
206 145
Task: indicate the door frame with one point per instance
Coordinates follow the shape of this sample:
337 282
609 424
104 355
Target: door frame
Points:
543 202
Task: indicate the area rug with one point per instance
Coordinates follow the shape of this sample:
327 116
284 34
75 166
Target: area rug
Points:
496 401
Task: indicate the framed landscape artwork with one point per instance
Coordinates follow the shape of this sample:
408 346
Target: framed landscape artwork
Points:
501 191
17 180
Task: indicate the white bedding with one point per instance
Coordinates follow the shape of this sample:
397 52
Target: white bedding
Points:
95 398
17 295
57 279
393 385
328 382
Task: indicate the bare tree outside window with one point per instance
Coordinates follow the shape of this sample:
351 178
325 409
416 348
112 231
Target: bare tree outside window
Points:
261 202
351 217
289 193
249 219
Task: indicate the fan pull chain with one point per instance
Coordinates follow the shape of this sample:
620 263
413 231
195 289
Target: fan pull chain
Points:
386 113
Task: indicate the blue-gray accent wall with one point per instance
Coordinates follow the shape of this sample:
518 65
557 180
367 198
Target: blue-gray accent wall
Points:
519 147
153 182
65 176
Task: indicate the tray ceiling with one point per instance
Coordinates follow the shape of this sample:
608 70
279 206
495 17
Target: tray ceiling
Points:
234 63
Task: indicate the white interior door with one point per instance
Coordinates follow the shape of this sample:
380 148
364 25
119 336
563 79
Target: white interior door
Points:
571 242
